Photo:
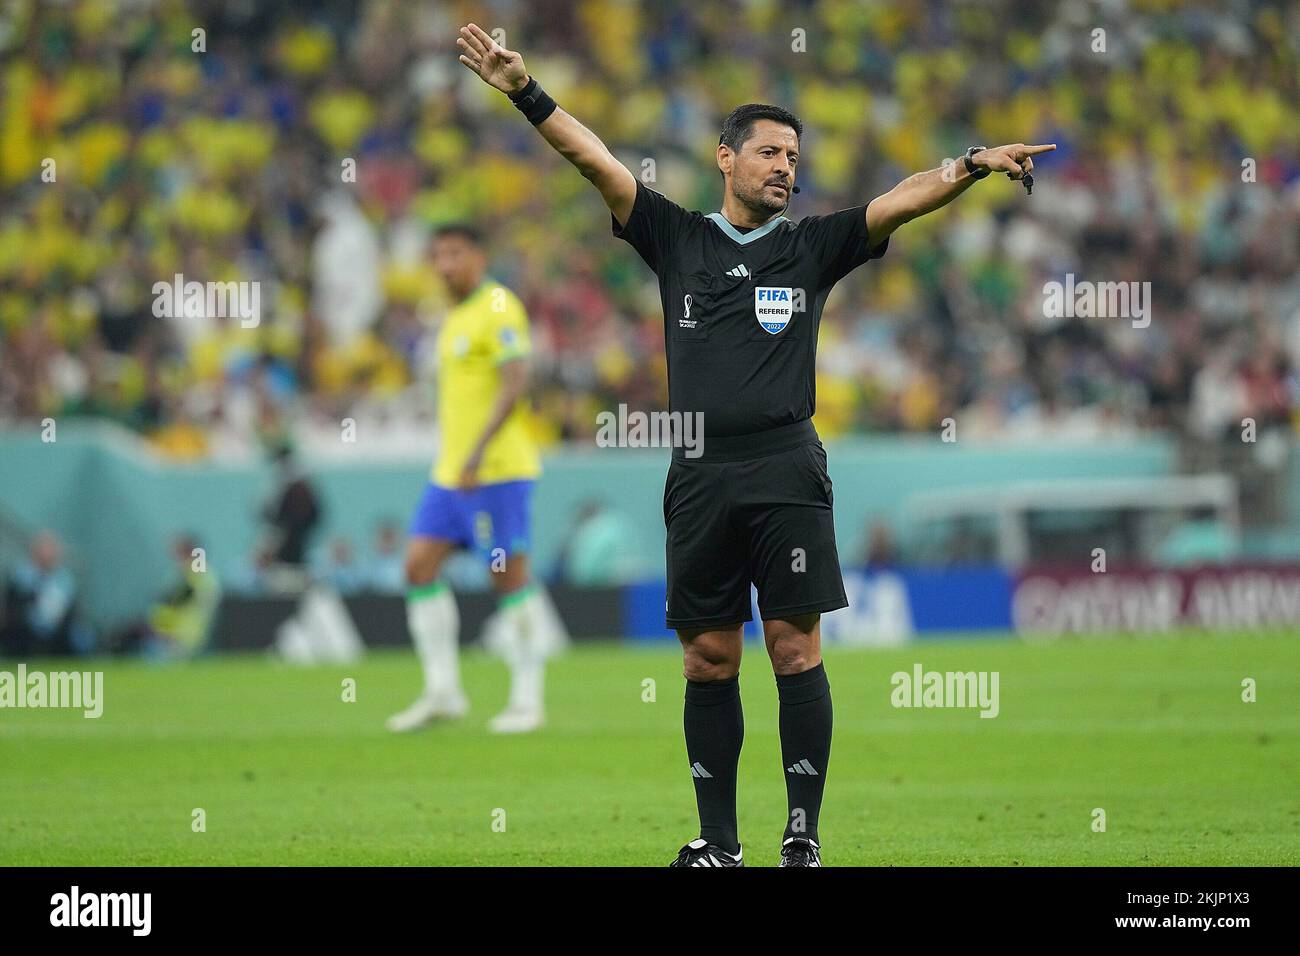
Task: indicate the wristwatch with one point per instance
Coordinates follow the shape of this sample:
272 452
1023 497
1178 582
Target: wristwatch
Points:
975 171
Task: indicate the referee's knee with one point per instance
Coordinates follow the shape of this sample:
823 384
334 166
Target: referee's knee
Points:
699 672
706 660
793 644
790 660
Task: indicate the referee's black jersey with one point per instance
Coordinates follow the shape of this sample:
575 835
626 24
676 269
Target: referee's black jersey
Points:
741 310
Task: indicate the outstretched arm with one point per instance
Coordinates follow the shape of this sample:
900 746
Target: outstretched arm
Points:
504 70
925 192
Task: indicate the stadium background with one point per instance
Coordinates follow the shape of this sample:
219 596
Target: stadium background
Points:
1178 164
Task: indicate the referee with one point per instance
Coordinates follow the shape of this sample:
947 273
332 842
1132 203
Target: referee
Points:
742 293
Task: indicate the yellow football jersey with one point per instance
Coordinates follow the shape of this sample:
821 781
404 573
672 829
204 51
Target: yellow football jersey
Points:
490 327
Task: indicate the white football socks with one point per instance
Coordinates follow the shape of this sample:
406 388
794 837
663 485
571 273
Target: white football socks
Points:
434 620
524 640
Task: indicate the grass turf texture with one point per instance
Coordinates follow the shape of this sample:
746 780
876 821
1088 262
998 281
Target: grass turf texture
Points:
1153 731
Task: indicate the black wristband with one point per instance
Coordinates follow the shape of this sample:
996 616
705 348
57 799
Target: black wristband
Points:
533 101
528 88
975 171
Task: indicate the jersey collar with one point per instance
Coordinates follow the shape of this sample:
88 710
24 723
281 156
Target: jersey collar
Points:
745 238
478 291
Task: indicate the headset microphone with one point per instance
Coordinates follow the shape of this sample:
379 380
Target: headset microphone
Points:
790 196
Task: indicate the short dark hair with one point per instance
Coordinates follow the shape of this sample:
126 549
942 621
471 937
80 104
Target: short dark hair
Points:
464 230
737 127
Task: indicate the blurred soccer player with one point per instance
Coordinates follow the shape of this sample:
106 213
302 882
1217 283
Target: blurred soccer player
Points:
478 495
742 292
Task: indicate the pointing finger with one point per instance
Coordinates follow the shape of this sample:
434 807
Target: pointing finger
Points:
1035 150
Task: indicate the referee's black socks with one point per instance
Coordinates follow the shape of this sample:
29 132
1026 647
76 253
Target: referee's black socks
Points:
715 729
805 746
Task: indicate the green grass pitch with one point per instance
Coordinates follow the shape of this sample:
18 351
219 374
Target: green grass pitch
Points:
1151 730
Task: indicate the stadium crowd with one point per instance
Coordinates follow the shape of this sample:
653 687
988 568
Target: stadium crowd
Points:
1178 164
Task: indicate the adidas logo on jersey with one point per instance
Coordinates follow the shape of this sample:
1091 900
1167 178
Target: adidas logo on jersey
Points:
804 768
739 272
700 772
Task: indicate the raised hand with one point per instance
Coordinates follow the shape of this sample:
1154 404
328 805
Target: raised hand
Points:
495 65
1015 160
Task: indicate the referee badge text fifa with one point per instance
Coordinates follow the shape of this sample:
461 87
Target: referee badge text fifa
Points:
773 307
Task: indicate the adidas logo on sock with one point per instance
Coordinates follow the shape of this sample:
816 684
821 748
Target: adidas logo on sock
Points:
700 772
803 767
739 272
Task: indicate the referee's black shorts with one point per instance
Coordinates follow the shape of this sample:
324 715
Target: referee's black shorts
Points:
756 508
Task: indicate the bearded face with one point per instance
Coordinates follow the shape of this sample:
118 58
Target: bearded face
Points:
763 168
